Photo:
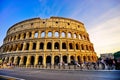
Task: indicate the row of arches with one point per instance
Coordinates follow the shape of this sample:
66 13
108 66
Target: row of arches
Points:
40 60
48 34
48 46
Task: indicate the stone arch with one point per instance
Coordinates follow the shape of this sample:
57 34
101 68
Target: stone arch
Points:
40 60
56 60
72 59
70 46
30 34
41 45
48 60
79 59
32 60
42 34
49 45
56 34
82 46
75 35
56 45
84 58
24 35
27 46
86 47
65 59
24 60
12 59
77 47
64 45
69 35
18 60
49 34
34 46
63 34
36 34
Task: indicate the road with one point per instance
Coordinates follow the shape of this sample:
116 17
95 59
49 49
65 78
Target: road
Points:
37 74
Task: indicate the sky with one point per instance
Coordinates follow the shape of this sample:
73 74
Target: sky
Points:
100 17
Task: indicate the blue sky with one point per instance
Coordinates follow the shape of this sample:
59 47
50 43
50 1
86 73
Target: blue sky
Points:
101 17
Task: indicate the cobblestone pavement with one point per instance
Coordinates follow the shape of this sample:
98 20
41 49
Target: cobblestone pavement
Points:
41 74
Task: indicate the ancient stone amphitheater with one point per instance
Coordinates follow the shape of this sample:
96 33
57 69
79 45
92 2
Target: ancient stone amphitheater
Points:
45 42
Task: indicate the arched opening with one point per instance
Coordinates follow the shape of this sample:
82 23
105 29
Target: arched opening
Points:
56 34
25 60
86 47
89 58
34 46
56 60
70 45
69 35
77 46
40 60
78 58
42 34
7 60
18 60
82 46
21 46
63 34
41 45
48 60
32 60
49 45
12 60
24 35
27 46
3 59
63 45
75 35
56 45
65 59
30 34
49 34
84 58
72 59
80 36
36 35
19 36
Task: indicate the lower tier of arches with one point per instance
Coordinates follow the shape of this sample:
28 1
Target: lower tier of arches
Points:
45 59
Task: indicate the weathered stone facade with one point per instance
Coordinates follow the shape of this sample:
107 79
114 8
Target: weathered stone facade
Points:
47 41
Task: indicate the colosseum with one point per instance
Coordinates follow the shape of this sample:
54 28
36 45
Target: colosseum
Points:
45 42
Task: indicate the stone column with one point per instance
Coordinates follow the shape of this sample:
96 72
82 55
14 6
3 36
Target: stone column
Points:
52 45
28 60
15 60
27 35
76 57
33 34
24 46
37 45
61 58
68 58
36 60
44 60
22 60
10 59
52 59
30 46
60 45
45 45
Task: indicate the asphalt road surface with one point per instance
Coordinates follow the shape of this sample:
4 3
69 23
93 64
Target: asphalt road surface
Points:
37 74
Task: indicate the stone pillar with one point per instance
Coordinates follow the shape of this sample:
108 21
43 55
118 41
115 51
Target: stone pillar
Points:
24 46
30 46
45 45
61 58
52 59
27 35
21 36
39 32
33 33
52 45
15 60
10 59
76 58
22 60
44 60
36 60
60 45
28 60
37 45
68 58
